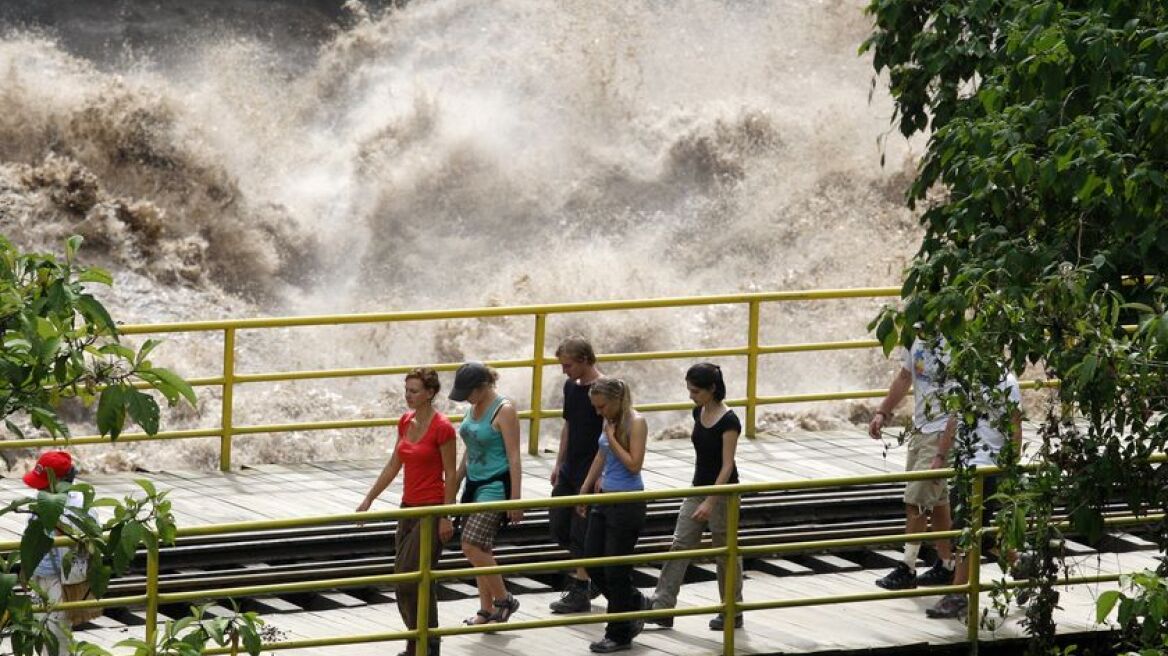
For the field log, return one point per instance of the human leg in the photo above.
(718, 536)
(687, 534)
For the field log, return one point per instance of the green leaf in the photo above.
(96, 314)
(172, 380)
(147, 346)
(111, 411)
(34, 545)
(71, 245)
(143, 410)
(96, 275)
(49, 506)
(1104, 604)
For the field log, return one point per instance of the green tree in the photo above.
(59, 342)
(1043, 194)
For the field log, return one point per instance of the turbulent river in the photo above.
(252, 158)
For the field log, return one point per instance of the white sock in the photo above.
(910, 554)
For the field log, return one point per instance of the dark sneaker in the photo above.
(593, 589)
(937, 575)
(607, 646)
(719, 623)
(951, 606)
(901, 578)
(639, 625)
(664, 622)
(573, 600)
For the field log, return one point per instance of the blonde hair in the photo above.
(617, 390)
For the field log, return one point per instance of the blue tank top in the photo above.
(486, 455)
(616, 477)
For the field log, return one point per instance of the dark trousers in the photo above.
(613, 530)
(568, 528)
(407, 542)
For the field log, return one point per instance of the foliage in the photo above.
(60, 342)
(1142, 616)
(1043, 195)
(137, 521)
(190, 635)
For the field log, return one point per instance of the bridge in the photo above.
(817, 518)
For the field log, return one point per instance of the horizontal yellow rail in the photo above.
(731, 551)
(229, 378)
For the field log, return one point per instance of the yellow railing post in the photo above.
(425, 545)
(730, 584)
(536, 384)
(973, 559)
(226, 420)
(151, 592)
(752, 368)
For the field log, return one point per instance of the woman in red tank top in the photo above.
(427, 451)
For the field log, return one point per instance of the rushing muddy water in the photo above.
(271, 158)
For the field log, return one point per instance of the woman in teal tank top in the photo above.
(491, 469)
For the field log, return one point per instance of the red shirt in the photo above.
(422, 461)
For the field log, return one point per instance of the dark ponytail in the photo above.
(707, 376)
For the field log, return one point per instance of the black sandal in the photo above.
(479, 618)
(504, 609)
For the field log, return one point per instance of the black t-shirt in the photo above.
(707, 444)
(584, 428)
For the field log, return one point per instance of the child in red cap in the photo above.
(53, 468)
(60, 463)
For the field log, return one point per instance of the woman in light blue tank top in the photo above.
(492, 471)
(613, 529)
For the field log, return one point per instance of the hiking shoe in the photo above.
(719, 623)
(900, 578)
(574, 599)
(950, 607)
(608, 646)
(937, 575)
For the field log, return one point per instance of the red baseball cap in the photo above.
(58, 461)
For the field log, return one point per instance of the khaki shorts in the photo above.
(922, 448)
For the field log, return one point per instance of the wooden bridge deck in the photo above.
(281, 491)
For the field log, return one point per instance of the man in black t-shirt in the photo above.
(578, 444)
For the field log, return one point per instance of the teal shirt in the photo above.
(486, 456)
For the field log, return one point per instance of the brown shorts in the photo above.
(480, 529)
(922, 448)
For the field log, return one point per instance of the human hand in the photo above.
(875, 426)
(362, 507)
(515, 516)
(445, 529)
(582, 510)
(703, 510)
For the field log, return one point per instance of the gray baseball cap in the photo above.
(469, 377)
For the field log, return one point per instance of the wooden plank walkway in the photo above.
(281, 491)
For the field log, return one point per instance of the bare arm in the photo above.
(945, 444)
(634, 457)
(729, 449)
(560, 453)
(507, 423)
(388, 473)
(591, 480)
(449, 452)
(899, 388)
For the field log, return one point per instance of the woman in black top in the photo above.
(715, 439)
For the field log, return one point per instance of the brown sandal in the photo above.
(504, 609)
(480, 617)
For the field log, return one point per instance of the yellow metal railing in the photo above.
(731, 551)
(229, 378)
